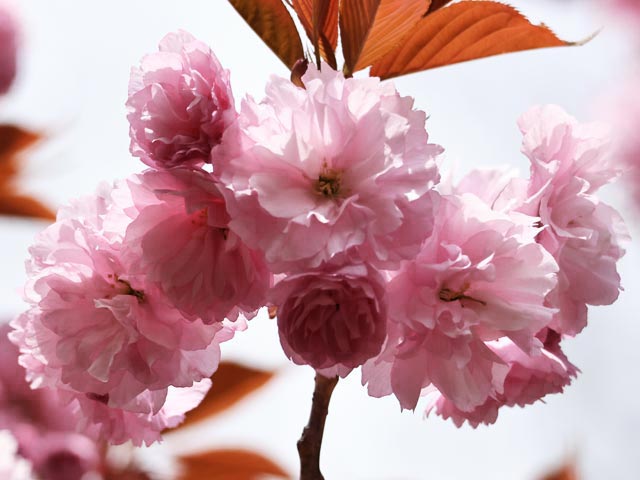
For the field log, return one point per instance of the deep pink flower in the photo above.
(59, 455)
(332, 319)
(569, 163)
(180, 240)
(42, 425)
(341, 166)
(94, 330)
(478, 278)
(8, 46)
(180, 103)
(20, 404)
(530, 378)
(629, 8)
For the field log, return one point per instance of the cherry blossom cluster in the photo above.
(476, 320)
(321, 201)
(133, 290)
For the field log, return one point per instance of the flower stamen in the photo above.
(139, 294)
(329, 182)
(448, 295)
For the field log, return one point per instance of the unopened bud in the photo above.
(298, 70)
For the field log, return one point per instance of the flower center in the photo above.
(98, 398)
(128, 289)
(448, 295)
(329, 182)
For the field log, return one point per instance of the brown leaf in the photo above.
(229, 465)
(464, 31)
(371, 28)
(270, 19)
(13, 140)
(566, 472)
(320, 20)
(23, 206)
(231, 383)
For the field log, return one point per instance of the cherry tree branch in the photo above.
(310, 442)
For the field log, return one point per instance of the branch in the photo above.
(310, 442)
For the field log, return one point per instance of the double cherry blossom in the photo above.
(323, 201)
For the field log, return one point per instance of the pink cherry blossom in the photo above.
(530, 378)
(480, 277)
(332, 319)
(180, 103)
(8, 45)
(97, 332)
(180, 240)
(343, 165)
(569, 163)
(141, 423)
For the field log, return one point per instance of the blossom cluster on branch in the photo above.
(322, 201)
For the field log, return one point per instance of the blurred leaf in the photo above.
(567, 472)
(229, 465)
(270, 19)
(231, 383)
(13, 141)
(23, 206)
(464, 31)
(320, 20)
(124, 474)
(371, 28)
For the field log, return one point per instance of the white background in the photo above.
(73, 85)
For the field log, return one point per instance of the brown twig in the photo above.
(310, 442)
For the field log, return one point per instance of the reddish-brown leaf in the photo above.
(270, 19)
(464, 31)
(320, 20)
(371, 28)
(231, 383)
(229, 465)
(23, 206)
(13, 140)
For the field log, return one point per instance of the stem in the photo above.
(310, 442)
